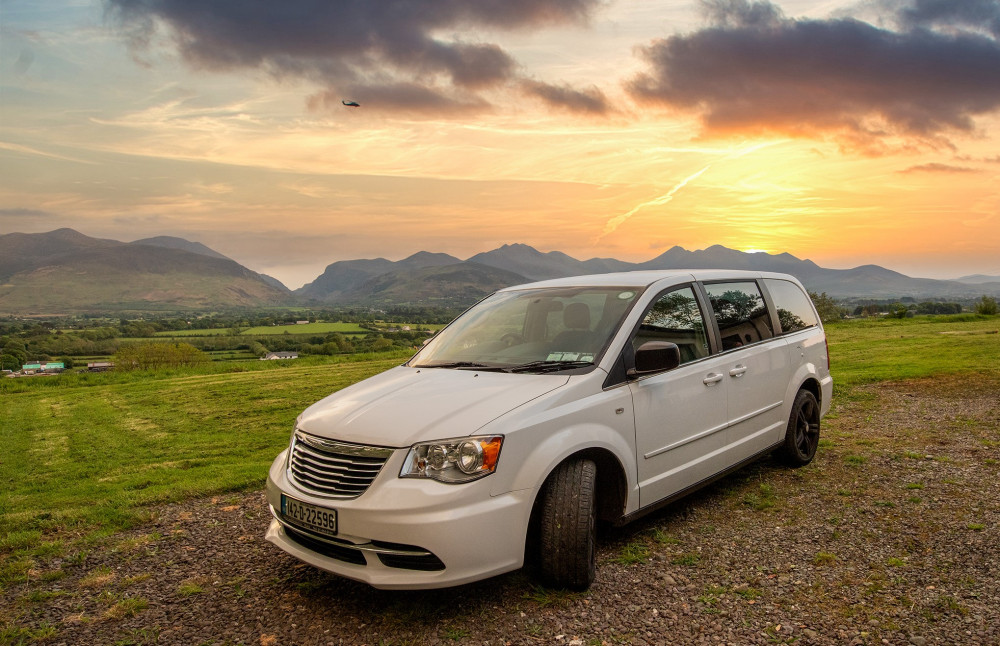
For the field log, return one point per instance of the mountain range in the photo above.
(361, 281)
(66, 271)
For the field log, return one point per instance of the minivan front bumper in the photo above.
(406, 533)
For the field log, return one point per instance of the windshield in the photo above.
(531, 330)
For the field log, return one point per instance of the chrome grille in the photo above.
(334, 469)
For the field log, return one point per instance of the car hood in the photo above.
(405, 405)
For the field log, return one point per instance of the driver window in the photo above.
(676, 317)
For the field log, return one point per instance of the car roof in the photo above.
(647, 278)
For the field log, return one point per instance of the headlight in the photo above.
(461, 459)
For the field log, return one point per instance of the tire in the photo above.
(802, 434)
(568, 526)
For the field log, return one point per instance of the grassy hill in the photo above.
(64, 271)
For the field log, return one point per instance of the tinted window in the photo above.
(740, 313)
(795, 312)
(676, 317)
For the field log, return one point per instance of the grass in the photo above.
(764, 498)
(748, 593)
(822, 558)
(634, 552)
(190, 588)
(305, 328)
(690, 559)
(454, 633)
(545, 597)
(126, 607)
(869, 350)
(89, 453)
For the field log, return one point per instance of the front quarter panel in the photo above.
(541, 436)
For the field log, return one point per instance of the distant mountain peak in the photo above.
(429, 259)
(173, 242)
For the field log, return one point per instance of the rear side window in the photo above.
(740, 313)
(795, 311)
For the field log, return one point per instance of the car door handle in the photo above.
(713, 378)
(738, 371)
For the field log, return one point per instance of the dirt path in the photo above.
(892, 536)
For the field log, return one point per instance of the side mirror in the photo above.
(655, 356)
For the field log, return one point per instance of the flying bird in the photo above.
(351, 104)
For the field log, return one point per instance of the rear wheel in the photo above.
(568, 526)
(802, 433)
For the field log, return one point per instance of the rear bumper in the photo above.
(408, 533)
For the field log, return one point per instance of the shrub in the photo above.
(987, 305)
(827, 307)
(151, 356)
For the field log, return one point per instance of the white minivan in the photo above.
(542, 410)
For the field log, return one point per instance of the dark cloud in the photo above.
(963, 14)
(741, 13)
(937, 168)
(390, 48)
(755, 70)
(588, 101)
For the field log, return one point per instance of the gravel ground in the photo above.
(891, 536)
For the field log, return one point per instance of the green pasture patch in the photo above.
(87, 454)
(268, 330)
(205, 332)
(869, 350)
(306, 328)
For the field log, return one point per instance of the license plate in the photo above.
(318, 519)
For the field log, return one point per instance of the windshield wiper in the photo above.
(548, 366)
(459, 365)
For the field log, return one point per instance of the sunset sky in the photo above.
(847, 133)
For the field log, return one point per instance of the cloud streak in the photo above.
(385, 55)
(587, 101)
(937, 168)
(755, 71)
(612, 225)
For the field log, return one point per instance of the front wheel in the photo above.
(568, 526)
(802, 433)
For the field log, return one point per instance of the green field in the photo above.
(195, 332)
(867, 350)
(87, 455)
(305, 328)
(265, 330)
